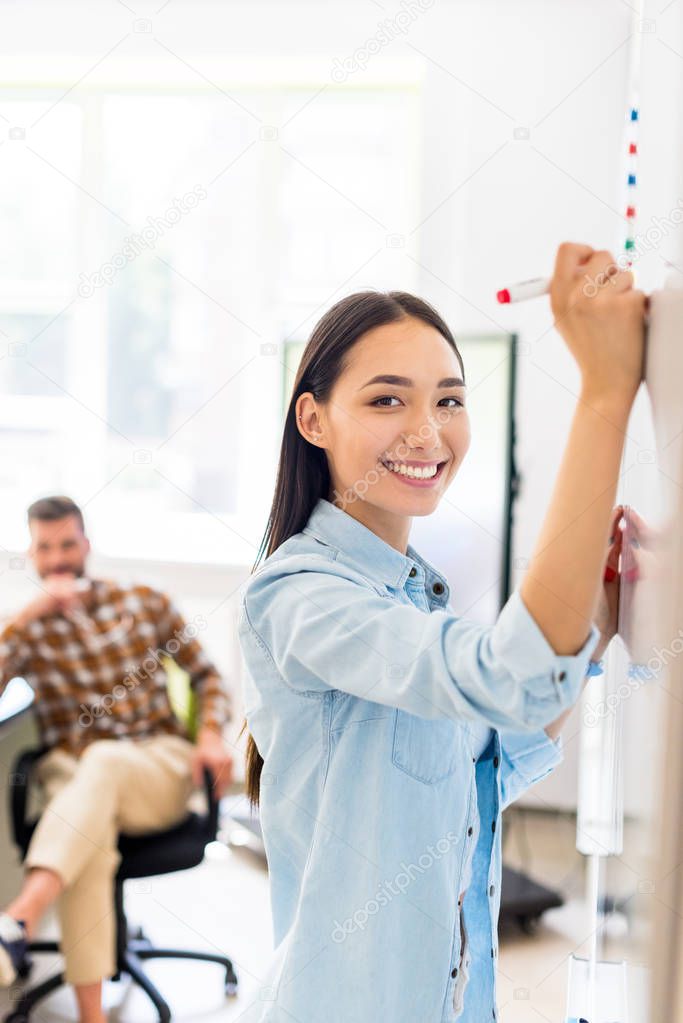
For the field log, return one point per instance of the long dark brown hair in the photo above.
(302, 472)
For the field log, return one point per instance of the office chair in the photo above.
(161, 852)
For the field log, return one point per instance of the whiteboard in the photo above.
(645, 878)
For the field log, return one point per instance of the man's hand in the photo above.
(210, 751)
(59, 592)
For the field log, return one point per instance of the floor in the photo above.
(223, 906)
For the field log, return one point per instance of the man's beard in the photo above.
(77, 572)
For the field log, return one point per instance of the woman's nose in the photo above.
(423, 437)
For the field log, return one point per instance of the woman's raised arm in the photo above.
(601, 317)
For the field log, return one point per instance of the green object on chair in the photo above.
(182, 696)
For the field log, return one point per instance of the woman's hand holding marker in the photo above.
(600, 315)
(598, 312)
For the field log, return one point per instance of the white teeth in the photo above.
(415, 472)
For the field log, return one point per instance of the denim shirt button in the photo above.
(492, 889)
(469, 831)
(437, 588)
(454, 971)
(413, 572)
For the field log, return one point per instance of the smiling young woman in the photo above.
(393, 441)
(387, 734)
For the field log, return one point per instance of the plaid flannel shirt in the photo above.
(98, 672)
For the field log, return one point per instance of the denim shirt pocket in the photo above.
(425, 748)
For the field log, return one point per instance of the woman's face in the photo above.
(377, 433)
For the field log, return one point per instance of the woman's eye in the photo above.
(386, 397)
(380, 402)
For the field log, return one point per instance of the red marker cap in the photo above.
(633, 148)
(503, 295)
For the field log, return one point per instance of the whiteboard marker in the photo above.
(524, 289)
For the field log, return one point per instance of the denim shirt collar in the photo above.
(372, 556)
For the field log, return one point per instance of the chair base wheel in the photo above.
(25, 968)
(230, 981)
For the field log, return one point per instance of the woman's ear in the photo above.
(308, 418)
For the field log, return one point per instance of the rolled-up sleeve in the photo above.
(526, 759)
(324, 630)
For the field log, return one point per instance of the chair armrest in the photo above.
(212, 806)
(19, 779)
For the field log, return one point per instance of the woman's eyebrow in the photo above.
(388, 378)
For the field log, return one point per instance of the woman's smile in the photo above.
(414, 473)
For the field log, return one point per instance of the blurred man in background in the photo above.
(118, 758)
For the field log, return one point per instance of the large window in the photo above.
(167, 242)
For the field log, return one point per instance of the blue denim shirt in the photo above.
(361, 687)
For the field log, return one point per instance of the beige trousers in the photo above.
(134, 786)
